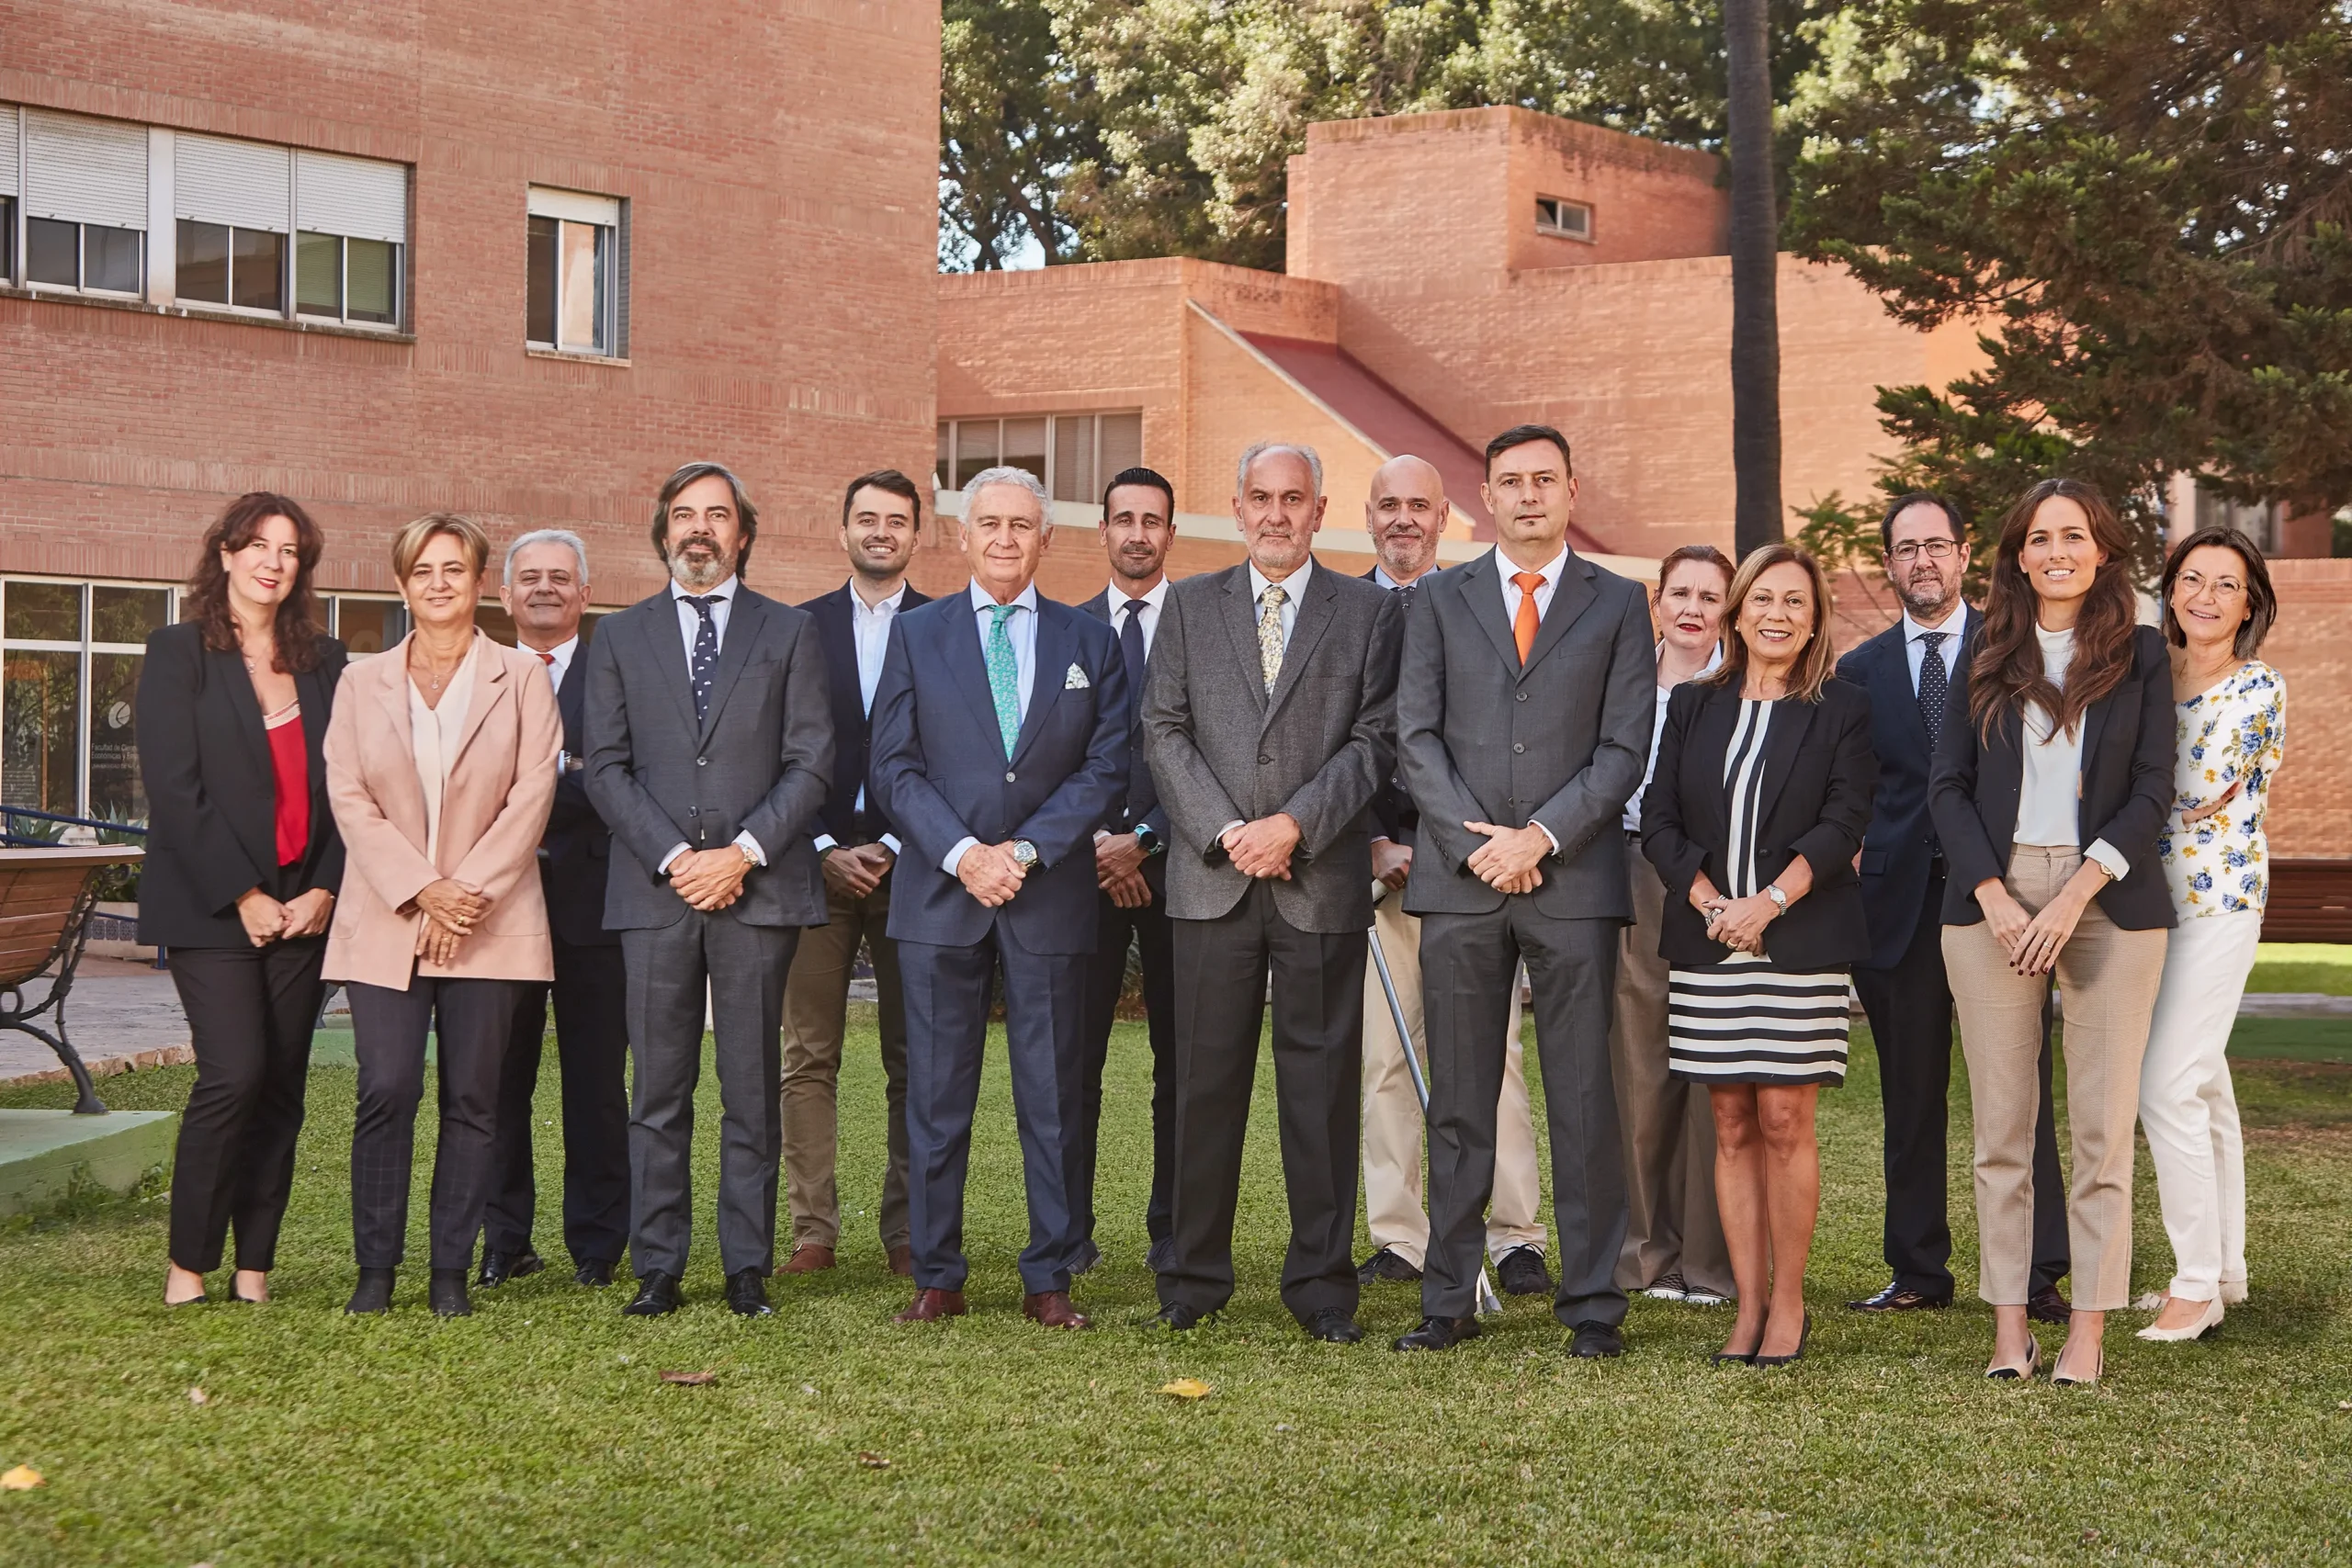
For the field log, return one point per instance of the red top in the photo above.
(289, 762)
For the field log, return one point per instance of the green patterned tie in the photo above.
(1004, 676)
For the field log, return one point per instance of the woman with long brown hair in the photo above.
(2048, 800)
(241, 869)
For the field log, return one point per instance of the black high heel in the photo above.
(1803, 1334)
(2024, 1374)
(1731, 1359)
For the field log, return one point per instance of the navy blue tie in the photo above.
(706, 660)
(1131, 645)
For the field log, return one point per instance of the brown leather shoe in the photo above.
(930, 1306)
(807, 1258)
(1051, 1309)
(902, 1262)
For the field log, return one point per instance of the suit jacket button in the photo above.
(693, 810)
(1009, 778)
(1265, 761)
(1519, 745)
(1519, 696)
(702, 762)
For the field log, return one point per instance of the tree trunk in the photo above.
(1755, 261)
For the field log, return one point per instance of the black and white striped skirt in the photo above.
(1748, 1020)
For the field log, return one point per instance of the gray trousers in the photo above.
(671, 968)
(1469, 964)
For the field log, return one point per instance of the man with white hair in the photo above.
(545, 590)
(999, 744)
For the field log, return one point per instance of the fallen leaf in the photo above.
(871, 1460)
(197, 1396)
(24, 1478)
(1186, 1388)
(690, 1380)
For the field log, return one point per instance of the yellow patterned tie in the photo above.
(1269, 633)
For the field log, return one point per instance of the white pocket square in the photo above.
(1076, 680)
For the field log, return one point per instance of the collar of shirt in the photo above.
(1953, 625)
(1550, 571)
(1293, 586)
(886, 605)
(1155, 600)
(1379, 575)
(724, 591)
(558, 657)
(982, 600)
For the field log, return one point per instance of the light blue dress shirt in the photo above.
(1021, 628)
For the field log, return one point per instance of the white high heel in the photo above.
(2207, 1321)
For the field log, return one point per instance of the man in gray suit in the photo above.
(1523, 709)
(710, 752)
(1268, 724)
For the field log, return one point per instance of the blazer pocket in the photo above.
(1874, 863)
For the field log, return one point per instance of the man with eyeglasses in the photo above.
(1916, 672)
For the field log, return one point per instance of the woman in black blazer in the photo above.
(242, 868)
(1754, 817)
(2048, 797)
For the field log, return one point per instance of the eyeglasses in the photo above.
(1934, 550)
(2189, 585)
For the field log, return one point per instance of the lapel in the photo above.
(1241, 625)
(1891, 682)
(836, 617)
(1791, 720)
(1099, 606)
(745, 621)
(1571, 598)
(1709, 739)
(1048, 668)
(492, 687)
(313, 689)
(1314, 613)
(571, 699)
(396, 788)
(229, 674)
(669, 654)
(2094, 725)
(1482, 592)
(960, 650)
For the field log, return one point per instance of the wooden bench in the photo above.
(46, 896)
(2311, 900)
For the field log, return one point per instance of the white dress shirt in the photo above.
(869, 629)
(689, 629)
(1658, 731)
(433, 735)
(1294, 588)
(1021, 628)
(1505, 570)
(1155, 599)
(2050, 795)
(557, 661)
(1916, 651)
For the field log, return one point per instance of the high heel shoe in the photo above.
(2019, 1374)
(2207, 1321)
(2060, 1380)
(1804, 1334)
(1731, 1359)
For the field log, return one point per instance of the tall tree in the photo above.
(1013, 120)
(1755, 273)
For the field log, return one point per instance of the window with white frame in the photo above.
(577, 260)
(1074, 454)
(70, 656)
(1563, 218)
(80, 186)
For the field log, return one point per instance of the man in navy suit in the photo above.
(546, 592)
(1131, 863)
(1915, 673)
(1000, 743)
(881, 522)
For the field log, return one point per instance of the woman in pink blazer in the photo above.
(441, 766)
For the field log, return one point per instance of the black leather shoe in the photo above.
(1334, 1327)
(657, 1296)
(1438, 1333)
(595, 1274)
(447, 1293)
(1521, 1273)
(747, 1295)
(2046, 1306)
(373, 1295)
(1595, 1342)
(1899, 1297)
(497, 1268)
(1180, 1317)
(1386, 1265)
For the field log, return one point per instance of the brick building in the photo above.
(514, 262)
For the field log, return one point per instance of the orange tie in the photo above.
(1522, 627)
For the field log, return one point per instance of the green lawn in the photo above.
(538, 1430)
(2302, 967)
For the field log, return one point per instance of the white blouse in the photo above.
(2050, 794)
(434, 734)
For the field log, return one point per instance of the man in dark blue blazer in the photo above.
(1000, 743)
(1131, 864)
(1916, 672)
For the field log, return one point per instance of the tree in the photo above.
(2145, 202)
(1755, 276)
(1012, 118)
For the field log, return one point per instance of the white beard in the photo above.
(700, 576)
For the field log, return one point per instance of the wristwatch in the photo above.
(1024, 854)
(1148, 840)
(1780, 899)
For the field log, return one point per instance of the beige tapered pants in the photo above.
(1393, 1125)
(2107, 990)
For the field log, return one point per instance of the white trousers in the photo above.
(1392, 1125)
(2187, 1108)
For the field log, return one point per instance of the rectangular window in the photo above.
(1075, 454)
(52, 253)
(347, 280)
(1562, 218)
(202, 270)
(69, 680)
(573, 267)
(84, 186)
(318, 275)
(258, 270)
(368, 626)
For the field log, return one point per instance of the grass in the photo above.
(538, 1430)
(2321, 966)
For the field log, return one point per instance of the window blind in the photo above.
(576, 206)
(216, 180)
(361, 198)
(85, 171)
(7, 149)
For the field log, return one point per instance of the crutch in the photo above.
(1489, 1304)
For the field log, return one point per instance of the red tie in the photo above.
(547, 659)
(1523, 624)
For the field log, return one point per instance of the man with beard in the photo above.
(1406, 514)
(1914, 672)
(881, 523)
(710, 752)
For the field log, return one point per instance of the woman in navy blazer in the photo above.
(2051, 783)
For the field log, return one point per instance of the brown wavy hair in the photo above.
(302, 621)
(1816, 661)
(2007, 675)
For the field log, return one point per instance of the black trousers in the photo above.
(590, 997)
(472, 1021)
(1149, 929)
(1469, 964)
(1221, 971)
(250, 1011)
(1909, 1008)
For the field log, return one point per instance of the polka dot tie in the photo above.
(1269, 633)
(705, 663)
(1935, 685)
(1004, 676)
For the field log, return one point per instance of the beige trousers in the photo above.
(816, 1006)
(2107, 990)
(1393, 1125)
(1667, 1125)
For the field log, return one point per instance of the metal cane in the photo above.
(1489, 1304)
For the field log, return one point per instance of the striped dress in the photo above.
(1747, 1020)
